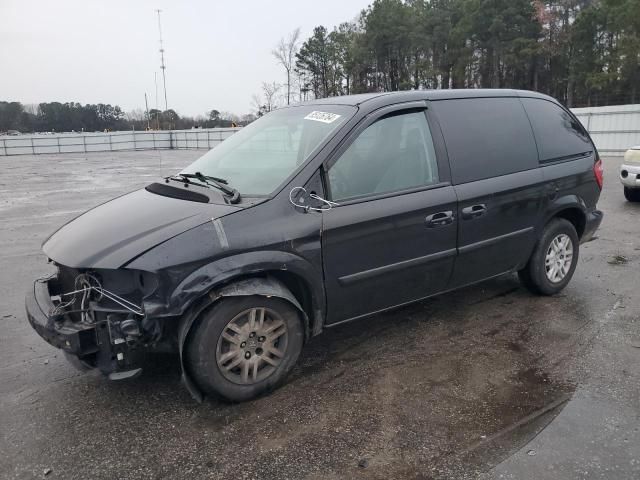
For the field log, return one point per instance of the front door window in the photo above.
(393, 154)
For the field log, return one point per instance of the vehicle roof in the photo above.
(412, 95)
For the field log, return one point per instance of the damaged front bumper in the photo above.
(100, 344)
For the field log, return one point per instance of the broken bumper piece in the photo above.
(88, 345)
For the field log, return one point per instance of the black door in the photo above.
(392, 238)
(498, 182)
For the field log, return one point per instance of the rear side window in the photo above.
(558, 134)
(486, 137)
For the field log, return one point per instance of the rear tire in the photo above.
(632, 194)
(243, 347)
(553, 260)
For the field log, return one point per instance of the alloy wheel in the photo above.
(252, 346)
(559, 257)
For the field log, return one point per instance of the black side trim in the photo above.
(356, 277)
(378, 196)
(491, 241)
(393, 307)
(174, 192)
(567, 158)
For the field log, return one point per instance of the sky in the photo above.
(217, 53)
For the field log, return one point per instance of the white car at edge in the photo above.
(630, 174)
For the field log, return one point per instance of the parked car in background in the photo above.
(315, 215)
(630, 174)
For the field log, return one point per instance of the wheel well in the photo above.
(300, 290)
(296, 285)
(576, 217)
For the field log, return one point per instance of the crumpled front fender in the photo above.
(245, 264)
(264, 286)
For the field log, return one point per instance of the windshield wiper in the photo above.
(185, 180)
(208, 177)
(217, 182)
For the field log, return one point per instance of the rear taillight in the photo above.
(598, 172)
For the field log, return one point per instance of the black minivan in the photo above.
(315, 215)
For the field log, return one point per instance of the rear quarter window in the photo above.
(558, 134)
(486, 137)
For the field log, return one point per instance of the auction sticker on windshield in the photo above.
(324, 117)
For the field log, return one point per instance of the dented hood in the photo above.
(112, 234)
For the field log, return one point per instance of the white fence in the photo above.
(112, 141)
(613, 129)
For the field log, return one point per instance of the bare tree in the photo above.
(31, 108)
(247, 118)
(257, 104)
(270, 92)
(229, 116)
(302, 85)
(285, 54)
(136, 115)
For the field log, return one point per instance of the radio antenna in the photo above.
(162, 65)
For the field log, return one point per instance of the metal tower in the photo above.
(162, 65)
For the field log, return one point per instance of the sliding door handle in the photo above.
(440, 219)
(474, 211)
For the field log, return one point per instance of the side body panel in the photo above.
(570, 184)
(381, 253)
(500, 188)
(567, 157)
(502, 238)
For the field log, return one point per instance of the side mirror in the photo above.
(299, 197)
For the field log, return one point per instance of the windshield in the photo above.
(257, 159)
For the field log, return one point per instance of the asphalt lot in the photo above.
(489, 382)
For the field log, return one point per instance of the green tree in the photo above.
(11, 116)
(214, 119)
(579, 51)
(313, 61)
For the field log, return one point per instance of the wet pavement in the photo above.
(489, 382)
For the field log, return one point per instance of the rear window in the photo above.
(558, 134)
(486, 137)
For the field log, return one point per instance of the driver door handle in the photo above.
(474, 211)
(440, 219)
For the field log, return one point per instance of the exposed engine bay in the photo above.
(104, 310)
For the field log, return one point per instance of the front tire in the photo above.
(632, 194)
(243, 347)
(553, 260)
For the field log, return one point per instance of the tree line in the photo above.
(582, 52)
(72, 116)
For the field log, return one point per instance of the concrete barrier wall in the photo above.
(613, 129)
(112, 141)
